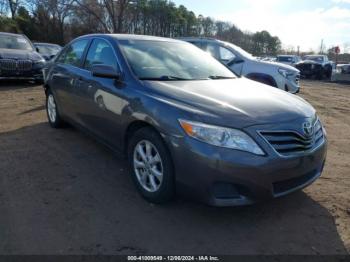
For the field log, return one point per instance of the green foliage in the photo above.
(8, 25)
(58, 21)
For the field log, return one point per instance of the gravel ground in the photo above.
(63, 193)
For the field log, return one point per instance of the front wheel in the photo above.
(151, 164)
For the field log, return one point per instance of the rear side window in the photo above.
(73, 53)
(100, 53)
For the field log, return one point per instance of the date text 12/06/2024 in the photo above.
(173, 258)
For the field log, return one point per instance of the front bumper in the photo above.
(33, 74)
(225, 177)
(290, 84)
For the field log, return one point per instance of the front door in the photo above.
(101, 100)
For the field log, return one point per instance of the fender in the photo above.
(262, 78)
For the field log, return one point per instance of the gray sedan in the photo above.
(186, 123)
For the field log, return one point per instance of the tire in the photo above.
(39, 81)
(53, 116)
(154, 188)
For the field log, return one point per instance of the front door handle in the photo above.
(77, 81)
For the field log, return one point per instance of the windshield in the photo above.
(285, 59)
(48, 49)
(314, 58)
(14, 42)
(166, 61)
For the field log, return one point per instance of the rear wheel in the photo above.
(53, 116)
(151, 165)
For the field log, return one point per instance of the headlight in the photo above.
(285, 72)
(40, 62)
(221, 136)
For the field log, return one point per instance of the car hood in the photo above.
(19, 54)
(235, 103)
(279, 65)
(312, 62)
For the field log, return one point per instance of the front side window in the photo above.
(100, 53)
(162, 60)
(74, 53)
(226, 55)
(239, 51)
(15, 42)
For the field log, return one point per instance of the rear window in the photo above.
(15, 42)
(285, 59)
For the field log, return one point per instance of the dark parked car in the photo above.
(186, 123)
(315, 66)
(48, 51)
(19, 59)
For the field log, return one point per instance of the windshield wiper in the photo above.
(165, 78)
(220, 77)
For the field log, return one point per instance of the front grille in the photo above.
(15, 65)
(297, 79)
(290, 143)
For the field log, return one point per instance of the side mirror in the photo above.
(105, 71)
(235, 60)
(37, 49)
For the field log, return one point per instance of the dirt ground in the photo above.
(63, 193)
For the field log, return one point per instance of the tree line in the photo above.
(59, 21)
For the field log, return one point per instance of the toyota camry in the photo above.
(186, 123)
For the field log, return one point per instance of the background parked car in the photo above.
(268, 59)
(48, 51)
(244, 64)
(19, 59)
(341, 73)
(291, 60)
(315, 66)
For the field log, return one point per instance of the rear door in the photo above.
(64, 75)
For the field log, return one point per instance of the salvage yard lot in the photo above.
(63, 193)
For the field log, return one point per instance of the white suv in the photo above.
(279, 75)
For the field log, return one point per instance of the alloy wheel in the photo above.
(51, 108)
(148, 166)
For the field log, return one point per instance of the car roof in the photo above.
(286, 55)
(315, 55)
(131, 37)
(5, 33)
(209, 39)
(38, 43)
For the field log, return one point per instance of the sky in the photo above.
(301, 23)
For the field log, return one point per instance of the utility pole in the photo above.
(298, 50)
(321, 49)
